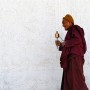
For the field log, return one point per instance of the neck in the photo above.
(70, 27)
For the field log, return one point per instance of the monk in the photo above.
(72, 57)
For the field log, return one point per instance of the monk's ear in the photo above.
(70, 24)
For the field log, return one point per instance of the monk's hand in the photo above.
(57, 42)
(63, 43)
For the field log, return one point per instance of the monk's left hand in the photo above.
(63, 43)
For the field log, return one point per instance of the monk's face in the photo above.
(66, 24)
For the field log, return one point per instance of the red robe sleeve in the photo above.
(60, 48)
(74, 40)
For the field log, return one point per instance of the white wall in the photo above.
(29, 59)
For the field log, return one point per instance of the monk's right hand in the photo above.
(57, 42)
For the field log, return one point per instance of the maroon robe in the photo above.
(72, 59)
